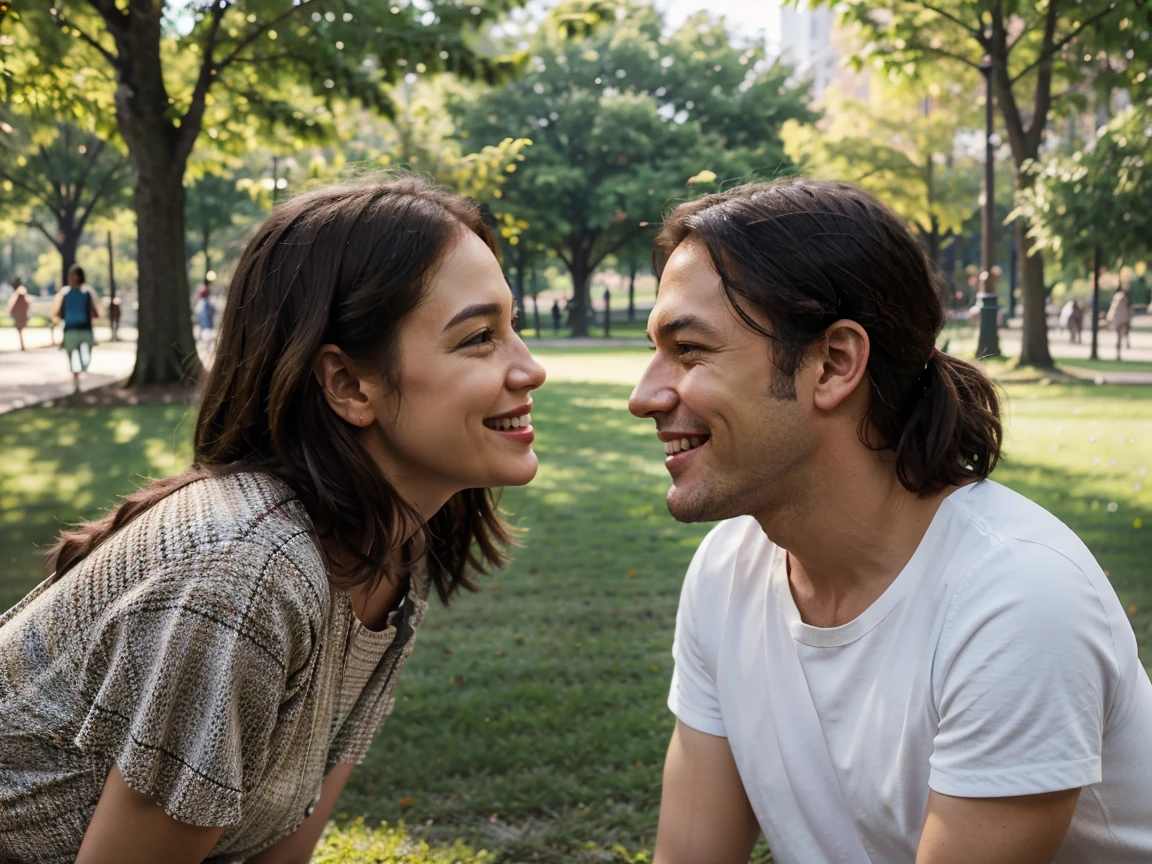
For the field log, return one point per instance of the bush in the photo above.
(356, 843)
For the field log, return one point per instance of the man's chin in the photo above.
(684, 506)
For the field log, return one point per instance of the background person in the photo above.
(75, 305)
(209, 661)
(18, 308)
(881, 655)
(1120, 318)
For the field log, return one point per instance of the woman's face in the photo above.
(459, 418)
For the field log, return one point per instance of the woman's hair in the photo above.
(77, 271)
(342, 265)
(809, 253)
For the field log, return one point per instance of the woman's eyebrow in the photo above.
(477, 310)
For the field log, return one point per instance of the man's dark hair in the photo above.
(78, 271)
(809, 253)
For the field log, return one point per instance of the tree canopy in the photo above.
(239, 71)
(622, 120)
(1038, 54)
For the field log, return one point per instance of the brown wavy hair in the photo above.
(342, 265)
(808, 253)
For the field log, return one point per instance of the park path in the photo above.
(41, 373)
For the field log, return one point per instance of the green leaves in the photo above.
(1097, 197)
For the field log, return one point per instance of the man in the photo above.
(881, 655)
(75, 305)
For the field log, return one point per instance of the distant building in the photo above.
(806, 38)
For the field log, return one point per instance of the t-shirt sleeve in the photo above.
(1025, 669)
(186, 678)
(693, 696)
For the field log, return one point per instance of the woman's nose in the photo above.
(526, 372)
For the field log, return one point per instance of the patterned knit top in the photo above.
(202, 651)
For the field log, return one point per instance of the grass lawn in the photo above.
(531, 719)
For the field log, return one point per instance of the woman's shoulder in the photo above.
(237, 542)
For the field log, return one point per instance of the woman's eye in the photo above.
(479, 339)
(683, 348)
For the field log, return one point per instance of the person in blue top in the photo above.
(75, 305)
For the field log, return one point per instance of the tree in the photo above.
(621, 120)
(903, 146)
(241, 69)
(58, 178)
(214, 202)
(1093, 205)
(1037, 51)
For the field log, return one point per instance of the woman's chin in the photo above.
(519, 474)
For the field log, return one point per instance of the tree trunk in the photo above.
(158, 149)
(535, 303)
(165, 350)
(207, 253)
(581, 281)
(632, 267)
(518, 286)
(69, 242)
(1025, 143)
(1095, 302)
(1034, 325)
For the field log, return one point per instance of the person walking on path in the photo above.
(75, 305)
(205, 317)
(881, 655)
(1072, 319)
(556, 316)
(18, 305)
(1120, 318)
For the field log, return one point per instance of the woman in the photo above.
(75, 305)
(18, 306)
(225, 644)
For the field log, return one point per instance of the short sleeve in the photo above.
(185, 680)
(693, 696)
(1025, 670)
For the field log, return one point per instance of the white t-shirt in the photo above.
(999, 662)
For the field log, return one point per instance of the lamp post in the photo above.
(988, 342)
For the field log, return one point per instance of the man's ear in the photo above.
(341, 383)
(842, 363)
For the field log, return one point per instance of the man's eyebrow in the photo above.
(669, 329)
(476, 310)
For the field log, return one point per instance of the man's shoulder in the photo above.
(1012, 523)
(733, 553)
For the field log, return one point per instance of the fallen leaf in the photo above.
(655, 667)
(1132, 609)
(405, 802)
(632, 574)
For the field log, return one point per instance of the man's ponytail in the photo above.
(952, 433)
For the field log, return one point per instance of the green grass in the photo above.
(531, 720)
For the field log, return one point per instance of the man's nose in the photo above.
(655, 393)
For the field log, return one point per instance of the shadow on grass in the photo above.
(62, 465)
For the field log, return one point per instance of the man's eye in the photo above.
(479, 339)
(683, 348)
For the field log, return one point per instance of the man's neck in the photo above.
(850, 541)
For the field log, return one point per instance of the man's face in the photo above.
(735, 436)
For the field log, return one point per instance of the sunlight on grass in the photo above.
(531, 719)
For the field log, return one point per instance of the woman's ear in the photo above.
(843, 359)
(341, 383)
